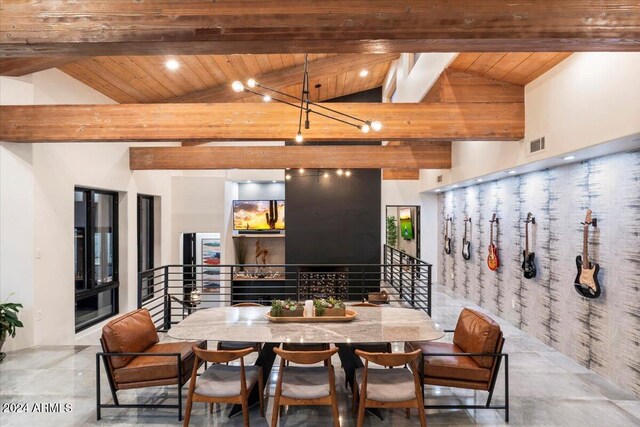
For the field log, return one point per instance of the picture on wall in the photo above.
(406, 224)
(210, 259)
(403, 228)
(258, 215)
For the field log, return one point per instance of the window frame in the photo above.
(91, 288)
(150, 239)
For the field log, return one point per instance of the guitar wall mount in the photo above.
(593, 223)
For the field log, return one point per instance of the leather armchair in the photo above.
(471, 361)
(133, 358)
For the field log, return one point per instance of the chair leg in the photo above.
(408, 412)
(361, 409)
(211, 408)
(276, 410)
(421, 414)
(354, 400)
(336, 410)
(245, 411)
(187, 411)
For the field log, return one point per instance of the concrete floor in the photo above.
(546, 389)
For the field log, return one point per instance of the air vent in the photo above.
(439, 178)
(536, 145)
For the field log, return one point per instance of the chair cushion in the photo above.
(477, 333)
(224, 380)
(451, 367)
(153, 367)
(388, 385)
(305, 382)
(133, 332)
(237, 345)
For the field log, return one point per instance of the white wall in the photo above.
(587, 99)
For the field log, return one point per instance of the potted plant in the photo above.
(329, 307)
(240, 244)
(8, 321)
(287, 308)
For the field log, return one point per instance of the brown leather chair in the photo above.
(134, 358)
(471, 361)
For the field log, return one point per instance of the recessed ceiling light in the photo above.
(364, 73)
(274, 181)
(511, 172)
(172, 64)
(479, 180)
(437, 190)
(454, 186)
(249, 182)
(569, 158)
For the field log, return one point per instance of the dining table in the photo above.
(370, 325)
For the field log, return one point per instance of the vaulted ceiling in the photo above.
(207, 78)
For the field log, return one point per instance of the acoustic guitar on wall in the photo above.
(492, 260)
(447, 239)
(586, 282)
(529, 258)
(466, 243)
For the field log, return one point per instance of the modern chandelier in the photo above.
(305, 105)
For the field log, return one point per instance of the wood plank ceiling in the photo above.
(518, 68)
(146, 79)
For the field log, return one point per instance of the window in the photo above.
(145, 238)
(95, 256)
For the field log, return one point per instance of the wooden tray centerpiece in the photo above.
(324, 310)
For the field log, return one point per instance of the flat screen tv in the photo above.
(258, 215)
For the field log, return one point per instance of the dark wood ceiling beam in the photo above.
(433, 155)
(117, 27)
(257, 122)
(289, 76)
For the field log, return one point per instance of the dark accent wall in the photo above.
(333, 220)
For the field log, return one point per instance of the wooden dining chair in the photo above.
(388, 388)
(233, 345)
(222, 383)
(303, 385)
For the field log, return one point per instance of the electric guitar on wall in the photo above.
(529, 258)
(492, 260)
(586, 282)
(447, 239)
(466, 243)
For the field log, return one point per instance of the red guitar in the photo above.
(492, 260)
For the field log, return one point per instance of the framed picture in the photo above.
(210, 261)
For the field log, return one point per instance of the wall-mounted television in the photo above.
(258, 215)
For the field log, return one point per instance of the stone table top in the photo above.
(372, 324)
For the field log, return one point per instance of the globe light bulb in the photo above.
(347, 173)
(326, 175)
(340, 172)
(299, 137)
(287, 177)
(251, 83)
(237, 86)
(365, 128)
(301, 170)
(266, 98)
(376, 125)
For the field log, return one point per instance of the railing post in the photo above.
(384, 262)
(400, 274)
(413, 282)
(429, 289)
(139, 290)
(297, 283)
(167, 299)
(363, 285)
(230, 285)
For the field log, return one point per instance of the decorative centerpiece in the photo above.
(329, 307)
(286, 308)
(318, 310)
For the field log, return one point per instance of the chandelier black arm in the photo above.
(311, 103)
(301, 109)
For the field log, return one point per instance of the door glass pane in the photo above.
(90, 309)
(103, 238)
(79, 249)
